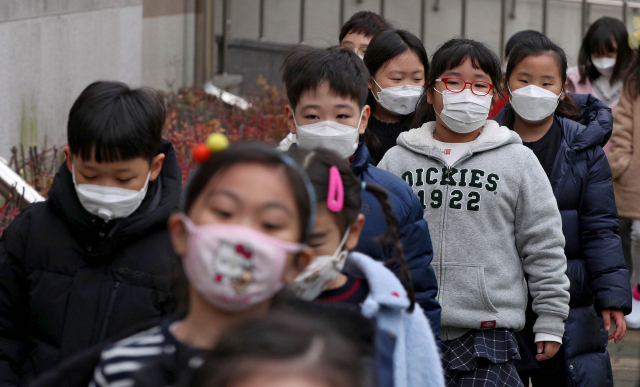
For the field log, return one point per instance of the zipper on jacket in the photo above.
(107, 316)
(445, 194)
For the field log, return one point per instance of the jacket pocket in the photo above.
(464, 298)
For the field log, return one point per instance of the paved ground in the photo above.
(625, 359)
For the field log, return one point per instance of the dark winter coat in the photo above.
(413, 229)
(581, 182)
(68, 280)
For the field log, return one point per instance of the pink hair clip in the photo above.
(335, 197)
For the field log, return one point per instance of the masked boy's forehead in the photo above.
(324, 95)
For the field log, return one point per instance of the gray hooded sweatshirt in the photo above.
(492, 218)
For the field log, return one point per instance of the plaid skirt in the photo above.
(481, 358)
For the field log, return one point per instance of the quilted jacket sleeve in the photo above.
(601, 244)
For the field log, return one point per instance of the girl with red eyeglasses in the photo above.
(493, 219)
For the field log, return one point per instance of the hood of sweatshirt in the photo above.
(384, 287)
(492, 136)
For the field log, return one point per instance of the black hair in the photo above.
(535, 47)
(451, 55)
(288, 343)
(317, 164)
(598, 40)
(383, 48)
(364, 22)
(632, 84)
(254, 152)
(518, 37)
(305, 68)
(112, 122)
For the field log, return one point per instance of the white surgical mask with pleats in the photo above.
(339, 138)
(401, 100)
(533, 103)
(604, 65)
(464, 112)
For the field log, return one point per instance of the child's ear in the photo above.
(179, 234)
(564, 90)
(291, 124)
(300, 261)
(156, 166)
(430, 96)
(67, 154)
(370, 83)
(366, 112)
(354, 233)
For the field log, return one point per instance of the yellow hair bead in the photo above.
(217, 142)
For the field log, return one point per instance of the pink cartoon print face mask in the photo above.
(235, 267)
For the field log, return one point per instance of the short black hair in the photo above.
(518, 37)
(305, 68)
(599, 39)
(449, 56)
(364, 22)
(113, 122)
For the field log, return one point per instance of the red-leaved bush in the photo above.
(192, 116)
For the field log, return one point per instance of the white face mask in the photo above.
(320, 273)
(336, 137)
(533, 103)
(401, 100)
(361, 56)
(464, 112)
(109, 202)
(604, 65)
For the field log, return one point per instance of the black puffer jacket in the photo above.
(69, 280)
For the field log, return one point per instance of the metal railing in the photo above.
(625, 7)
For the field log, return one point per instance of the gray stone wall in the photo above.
(50, 50)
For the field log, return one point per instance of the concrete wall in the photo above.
(51, 50)
(168, 43)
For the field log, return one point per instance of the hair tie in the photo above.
(364, 186)
(335, 196)
(216, 142)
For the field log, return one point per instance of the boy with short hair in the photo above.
(95, 258)
(358, 31)
(355, 34)
(327, 91)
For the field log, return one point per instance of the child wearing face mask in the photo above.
(570, 152)
(338, 275)
(327, 90)
(358, 31)
(93, 259)
(246, 216)
(397, 63)
(493, 218)
(603, 61)
(356, 34)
